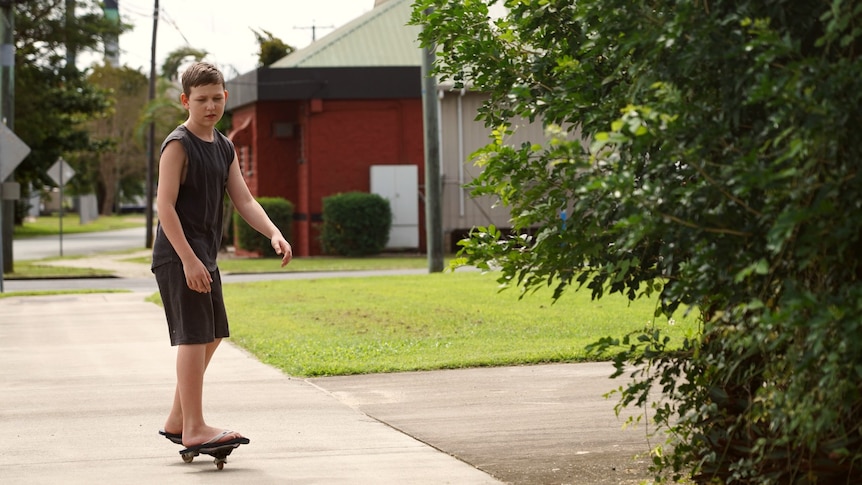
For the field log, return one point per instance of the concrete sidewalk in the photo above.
(87, 379)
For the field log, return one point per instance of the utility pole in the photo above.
(7, 116)
(151, 137)
(71, 48)
(112, 43)
(433, 180)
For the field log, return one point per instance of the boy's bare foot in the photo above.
(208, 435)
(173, 428)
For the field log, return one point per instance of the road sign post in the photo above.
(61, 173)
(12, 152)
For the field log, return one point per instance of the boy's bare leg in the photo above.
(174, 423)
(192, 361)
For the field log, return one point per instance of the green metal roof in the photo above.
(379, 37)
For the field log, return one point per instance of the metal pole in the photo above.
(71, 48)
(152, 133)
(2, 270)
(433, 210)
(62, 183)
(7, 116)
(112, 43)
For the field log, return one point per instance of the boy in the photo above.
(198, 164)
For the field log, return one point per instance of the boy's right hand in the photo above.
(197, 277)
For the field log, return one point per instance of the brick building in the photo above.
(345, 114)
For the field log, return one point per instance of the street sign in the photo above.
(61, 172)
(13, 151)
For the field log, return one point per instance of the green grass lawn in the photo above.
(313, 263)
(34, 270)
(343, 326)
(443, 320)
(50, 225)
(322, 263)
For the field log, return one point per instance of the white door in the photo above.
(399, 184)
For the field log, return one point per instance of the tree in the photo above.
(54, 101)
(705, 153)
(271, 48)
(121, 168)
(175, 60)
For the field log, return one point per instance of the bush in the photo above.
(248, 239)
(355, 224)
(722, 175)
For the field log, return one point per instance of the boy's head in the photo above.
(201, 74)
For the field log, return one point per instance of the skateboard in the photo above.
(218, 452)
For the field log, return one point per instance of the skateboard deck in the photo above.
(172, 437)
(219, 451)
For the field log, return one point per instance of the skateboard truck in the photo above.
(218, 452)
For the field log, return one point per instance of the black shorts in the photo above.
(193, 318)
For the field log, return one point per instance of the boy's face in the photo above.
(205, 104)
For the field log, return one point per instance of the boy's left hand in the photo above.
(283, 249)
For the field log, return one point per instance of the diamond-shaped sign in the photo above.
(13, 151)
(61, 172)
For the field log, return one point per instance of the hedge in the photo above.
(355, 224)
(248, 239)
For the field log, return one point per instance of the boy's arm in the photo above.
(171, 165)
(253, 213)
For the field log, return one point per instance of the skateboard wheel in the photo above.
(188, 457)
(219, 464)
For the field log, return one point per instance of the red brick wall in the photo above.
(346, 137)
(333, 146)
(277, 155)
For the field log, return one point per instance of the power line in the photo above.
(149, 13)
(165, 16)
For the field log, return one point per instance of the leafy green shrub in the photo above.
(355, 224)
(723, 174)
(247, 238)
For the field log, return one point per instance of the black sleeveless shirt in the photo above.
(200, 200)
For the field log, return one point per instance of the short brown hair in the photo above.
(201, 74)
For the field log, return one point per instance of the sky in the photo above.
(223, 28)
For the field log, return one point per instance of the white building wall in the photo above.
(462, 135)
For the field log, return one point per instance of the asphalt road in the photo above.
(78, 244)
